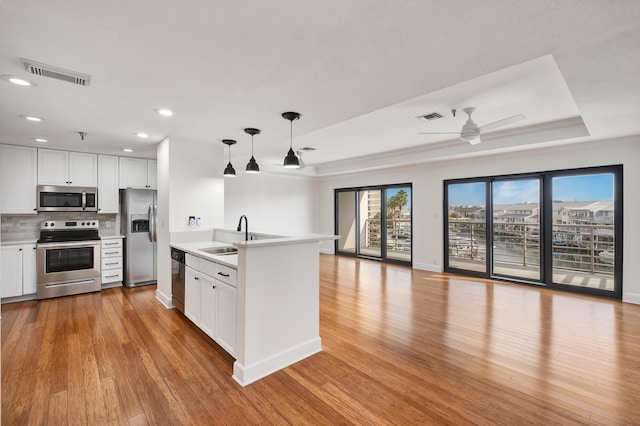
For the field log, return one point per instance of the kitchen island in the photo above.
(277, 308)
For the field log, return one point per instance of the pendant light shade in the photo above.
(252, 165)
(229, 171)
(291, 161)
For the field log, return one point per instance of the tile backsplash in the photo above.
(30, 224)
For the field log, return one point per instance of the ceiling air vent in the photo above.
(50, 71)
(429, 117)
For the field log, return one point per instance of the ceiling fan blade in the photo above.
(439, 133)
(500, 123)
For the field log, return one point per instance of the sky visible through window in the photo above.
(597, 187)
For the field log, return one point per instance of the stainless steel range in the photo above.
(68, 258)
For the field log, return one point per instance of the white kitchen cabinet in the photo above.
(18, 270)
(18, 179)
(192, 295)
(226, 316)
(138, 173)
(108, 189)
(29, 271)
(200, 301)
(111, 259)
(67, 168)
(210, 303)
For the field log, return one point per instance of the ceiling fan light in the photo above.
(291, 161)
(252, 166)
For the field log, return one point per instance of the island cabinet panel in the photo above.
(211, 303)
(226, 323)
(192, 295)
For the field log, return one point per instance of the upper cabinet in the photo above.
(108, 194)
(67, 168)
(138, 173)
(18, 179)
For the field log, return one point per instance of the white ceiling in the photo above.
(359, 72)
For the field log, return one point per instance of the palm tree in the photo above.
(394, 210)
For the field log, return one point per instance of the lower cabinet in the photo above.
(211, 305)
(18, 270)
(111, 261)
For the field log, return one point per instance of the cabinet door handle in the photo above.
(213, 287)
(224, 275)
(111, 244)
(110, 252)
(19, 249)
(112, 263)
(196, 278)
(110, 276)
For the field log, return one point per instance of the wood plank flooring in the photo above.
(400, 346)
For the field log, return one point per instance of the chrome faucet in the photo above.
(246, 227)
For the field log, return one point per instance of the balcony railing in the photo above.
(398, 234)
(584, 248)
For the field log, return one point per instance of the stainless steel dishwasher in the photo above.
(177, 278)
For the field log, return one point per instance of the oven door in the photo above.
(60, 263)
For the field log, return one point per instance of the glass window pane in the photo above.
(467, 226)
(398, 205)
(583, 231)
(347, 228)
(516, 228)
(370, 205)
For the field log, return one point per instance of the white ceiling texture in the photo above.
(358, 71)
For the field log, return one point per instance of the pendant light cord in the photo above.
(291, 135)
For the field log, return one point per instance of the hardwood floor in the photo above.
(400, 346)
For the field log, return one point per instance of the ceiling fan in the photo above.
(471, 131)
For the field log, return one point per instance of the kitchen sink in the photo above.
(220, 251)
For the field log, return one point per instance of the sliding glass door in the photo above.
(466, 242)
(584, 231)
(562, 229)
(516, 228)
(374, 222)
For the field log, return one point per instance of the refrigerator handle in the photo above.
(151, 224)
(155, 223)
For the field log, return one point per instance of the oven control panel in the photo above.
(70, 224)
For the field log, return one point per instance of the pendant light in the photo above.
(291, 161)
(229, 171)
(252, 166)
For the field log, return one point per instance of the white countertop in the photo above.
(195, 248)
(19, 238)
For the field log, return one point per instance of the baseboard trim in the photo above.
(245, 375)
(631, 298)
(326, 251)
(427, 267)
(164, 299)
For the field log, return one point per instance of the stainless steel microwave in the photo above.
(53, 198)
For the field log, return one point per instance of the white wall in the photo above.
(196, 184)
(272, 203)
(428, 180)
(190, 183)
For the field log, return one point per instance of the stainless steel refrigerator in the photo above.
(138, 225)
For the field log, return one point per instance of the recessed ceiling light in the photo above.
(31, 118)
(16, 80)
(41, 140)
(127, 149)
(142, 135)
(164, 112)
